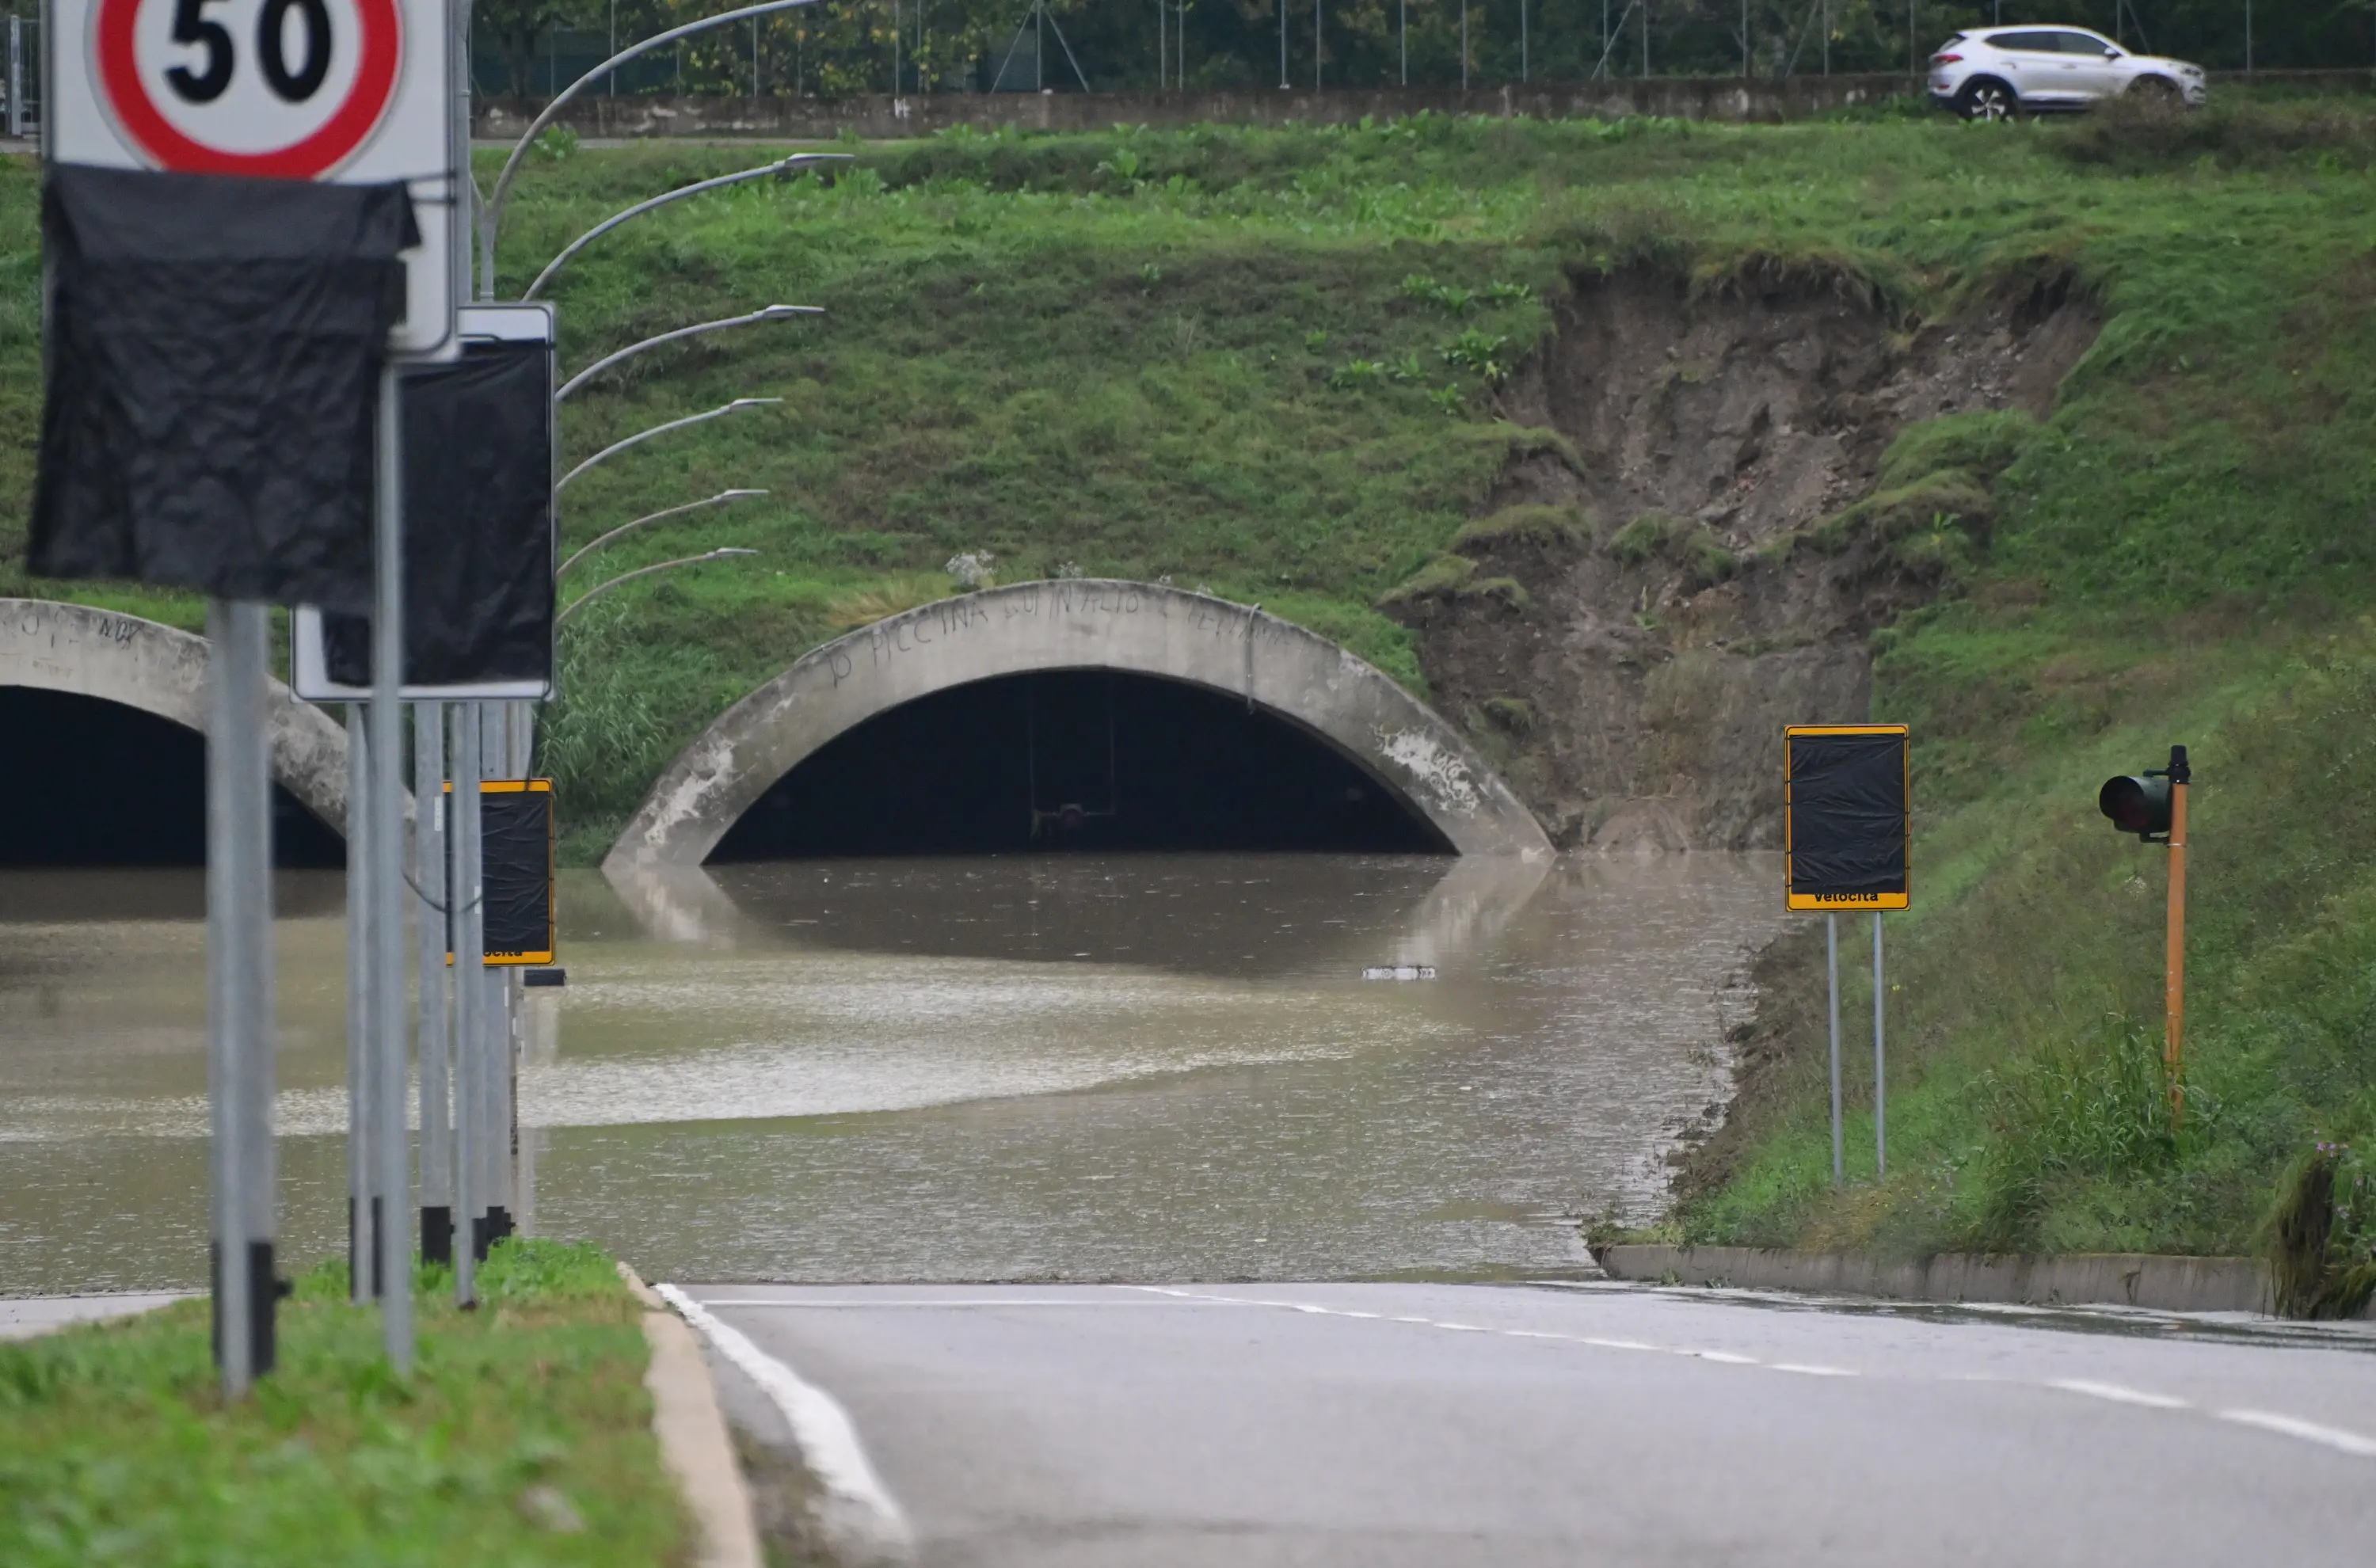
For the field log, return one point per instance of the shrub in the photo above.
(1440, 578)
(1981, 445)
(1544, 526)
(2070, 1110)
(1642, 539)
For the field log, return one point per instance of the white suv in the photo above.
(1992, 73)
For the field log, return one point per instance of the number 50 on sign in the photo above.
(356, 91)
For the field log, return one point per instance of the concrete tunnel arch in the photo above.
(1029, 628)
(46, 645)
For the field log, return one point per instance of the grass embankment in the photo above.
(1264, 361)
(523, 1435)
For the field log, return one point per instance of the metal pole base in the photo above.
(263, 1293)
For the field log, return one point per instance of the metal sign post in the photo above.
(2174, 957)
(467, 888)
(494, 741)
(429, 915)
(1832, 974)
(391, 1156)
(1847, 831)
(1880, 1068)
(362, 1246)
(353, 92)
(239, 992)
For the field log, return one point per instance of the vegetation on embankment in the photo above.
(1268, 363)
(523, 1435)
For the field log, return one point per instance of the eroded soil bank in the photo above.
(1741, 506)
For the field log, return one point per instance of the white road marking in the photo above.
(2117, 1393)
(2337, 1438)
(929, 1305)
(859, 1513)
(2344, 1442)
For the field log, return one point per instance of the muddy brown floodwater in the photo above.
(1134, 1067)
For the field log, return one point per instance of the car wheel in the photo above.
(2153, 90)
(1986, 99)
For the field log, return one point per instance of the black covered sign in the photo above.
(478, 525)
(1845, 816)
(214, 347)
(515, 826)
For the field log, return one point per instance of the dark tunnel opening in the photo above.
(1075, 759)
(91, 783)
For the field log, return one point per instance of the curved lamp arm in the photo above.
(616, 447)
(491, 212)
(720, 499)
(781, 166)
(766, 313)
(579, 603)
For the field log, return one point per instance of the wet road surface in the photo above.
(1382, 1425)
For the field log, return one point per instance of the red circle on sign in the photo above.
(349, 125)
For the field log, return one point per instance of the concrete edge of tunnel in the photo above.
(695, 1446)
(2150, 1281)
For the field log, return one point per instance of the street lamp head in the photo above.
(739, 494)
(785, 313)
(720, 555)
(753, 402)
(792, 164)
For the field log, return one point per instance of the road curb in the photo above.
(694, 1442)
(2152, 1280)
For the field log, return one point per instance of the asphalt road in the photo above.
(1377, 1426)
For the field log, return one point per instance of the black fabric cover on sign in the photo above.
(1847, 813)
(478, 525)
(518, 851)
(213, 364)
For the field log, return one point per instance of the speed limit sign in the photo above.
(356, 91)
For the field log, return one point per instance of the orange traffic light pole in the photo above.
(2174, 969)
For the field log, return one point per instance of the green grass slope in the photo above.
(1265, 363)
(523, 1435)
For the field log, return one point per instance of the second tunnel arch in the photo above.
(1138, 628)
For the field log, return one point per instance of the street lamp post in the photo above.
(579, 603)
(638, 439)
(766, 313)
(722, 498)
(781, 167)
(491, 212)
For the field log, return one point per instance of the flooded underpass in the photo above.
(999, 1067)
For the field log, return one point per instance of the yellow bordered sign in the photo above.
(515, 842)
(1846, 826)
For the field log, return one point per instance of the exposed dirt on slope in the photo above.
(1630, 632)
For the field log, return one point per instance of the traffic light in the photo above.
(2153, 806)
(2141, 804)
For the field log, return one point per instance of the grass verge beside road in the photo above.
(523, 1435)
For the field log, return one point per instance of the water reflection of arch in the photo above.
(1449, 910)
(1136, 628)
(74, 648)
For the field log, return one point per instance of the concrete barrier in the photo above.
(2129, 1280)
(157, 669)
(1139, 628)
